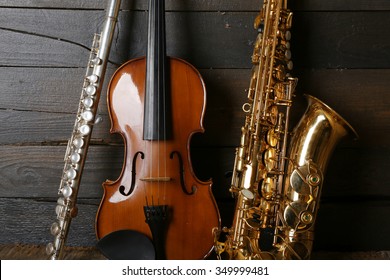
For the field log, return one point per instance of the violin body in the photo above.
(157, 174)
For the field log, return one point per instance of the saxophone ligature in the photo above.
(277, 178)
(76, 151)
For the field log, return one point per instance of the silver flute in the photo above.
(77, 148)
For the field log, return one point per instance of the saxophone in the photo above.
(77, 148)
(277, 178)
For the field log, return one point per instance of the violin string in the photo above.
(158, 146)
(158, 113)
(166, 76)
(147, 155)
(165, 92)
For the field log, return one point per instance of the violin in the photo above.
(157, 204)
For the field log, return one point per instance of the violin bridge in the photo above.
(156, 179)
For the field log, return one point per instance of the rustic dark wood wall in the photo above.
(341, 51)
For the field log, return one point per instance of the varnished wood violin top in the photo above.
(157, 192)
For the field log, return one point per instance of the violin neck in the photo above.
(156, 113)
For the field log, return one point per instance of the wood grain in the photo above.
(36, 108)
(205, 5)
(327, 40)
(38, 175)
(361, 219)
(341, 55)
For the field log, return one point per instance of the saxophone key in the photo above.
(268, 188)
(272, 138)
(270, 159)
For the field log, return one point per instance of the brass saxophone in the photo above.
(77, 148)
(277, 179)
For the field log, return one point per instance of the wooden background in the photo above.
(341, 52)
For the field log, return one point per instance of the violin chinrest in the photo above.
(126, 245)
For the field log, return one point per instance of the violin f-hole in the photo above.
(181, 171)
(133, 175)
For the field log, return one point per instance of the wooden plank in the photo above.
(38, 252)
(29, 50)
(37, 127)
(42, 23)
(353, 226)
(207, 40)
(50, 90)
(352, 174)
(35, 171)
(340, 52)
(341, 40)
(365, 255)
(339, 227)
(357, 95)
(188, 5)
(205, 5)
(348, 226)
(40, 37)
(39, 173)
(189, 36)
(357, 175)
(40, 105)
(337, 5)
(29, 221)
(57, 90)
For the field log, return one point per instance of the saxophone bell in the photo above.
(314, 139)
